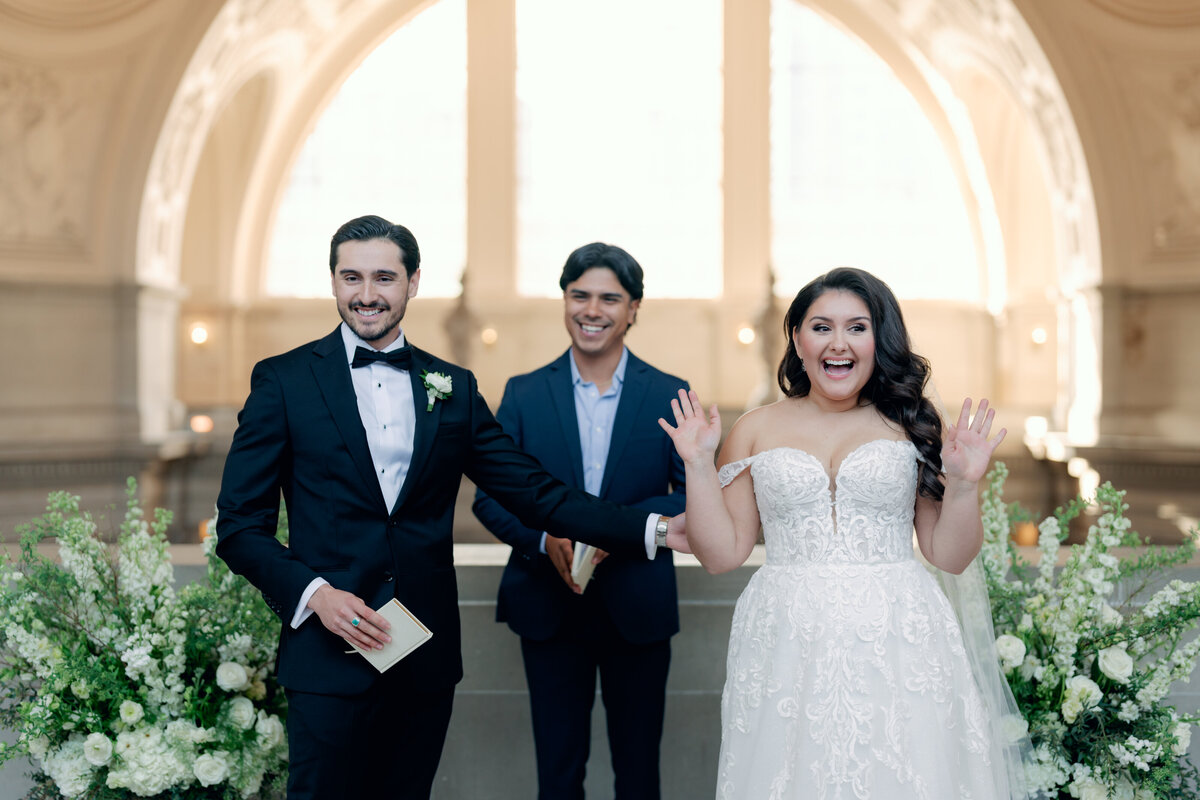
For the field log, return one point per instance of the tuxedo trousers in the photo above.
(383, 744)
(561, 672)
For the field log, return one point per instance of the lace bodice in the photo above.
(866, 517)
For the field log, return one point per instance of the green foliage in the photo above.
(118, 685)
(1092, 649)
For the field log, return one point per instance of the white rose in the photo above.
(241, 713)
(80, 689)
(1013, 727)
(1116, 664)
(1011, 651)
(1089, 789)
(232, 677)
(442, 383)
(97, 749)
(211, 768)
(37, 747)
(1071, 708)
(1183, 738)
(1087, 690)
(131, 712)
(270, 730)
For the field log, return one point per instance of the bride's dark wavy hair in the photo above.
(896, 386)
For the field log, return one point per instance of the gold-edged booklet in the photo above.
(581, 564)
(407, 632)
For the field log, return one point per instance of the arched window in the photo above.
(859, 177)
(393, 143)
(619, 139)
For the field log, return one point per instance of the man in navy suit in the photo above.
(591, 418)
(367, 439)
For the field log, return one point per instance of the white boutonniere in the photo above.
(437, 387)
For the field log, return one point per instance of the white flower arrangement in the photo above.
(1090, 666)
(118, 686)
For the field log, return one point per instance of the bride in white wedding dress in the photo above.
(847, 676)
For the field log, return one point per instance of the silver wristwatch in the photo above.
(660, 532)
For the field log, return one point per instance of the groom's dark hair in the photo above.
(370, 227)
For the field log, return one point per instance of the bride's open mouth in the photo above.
(837, 367)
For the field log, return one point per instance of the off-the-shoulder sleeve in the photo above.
(731, 470)
(923, 460)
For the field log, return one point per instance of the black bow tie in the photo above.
(400, 359)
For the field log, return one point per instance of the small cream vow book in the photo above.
(407, 632)
(582, 566)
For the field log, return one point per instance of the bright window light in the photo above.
(619, 139)
(393, 143)
(859, 177)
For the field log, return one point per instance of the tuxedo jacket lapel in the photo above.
(332, 375)
(629, 410)
(562, 398)
(426, 424)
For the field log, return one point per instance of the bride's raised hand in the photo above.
(966, 450)
(695, 434)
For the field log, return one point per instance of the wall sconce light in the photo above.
(489, 336)
(199, 334)
(1025, 534)
(1039, 335)
(201, 423)
(746, 334)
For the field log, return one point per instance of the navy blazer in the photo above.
(538, 411)
(300, 435)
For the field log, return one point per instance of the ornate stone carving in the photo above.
(74, 14)
(51, 129)
(1160, 13)
(1180, 226)
(246, 37)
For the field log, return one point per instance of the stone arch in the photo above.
(307, 48)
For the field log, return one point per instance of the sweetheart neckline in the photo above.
(832, 478)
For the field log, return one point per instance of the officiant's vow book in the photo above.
(581, 565)
(407, 632)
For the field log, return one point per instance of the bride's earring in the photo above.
(802, 369)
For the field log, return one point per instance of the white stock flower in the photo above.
(232, 677)
(131, 712)
(1183, 738)
(211, 768)
(1011, 651)
(241, 713)
(98, 749)
(1116, 664)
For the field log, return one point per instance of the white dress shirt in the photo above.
(389, 416)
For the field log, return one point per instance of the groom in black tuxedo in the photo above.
(367, 439)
